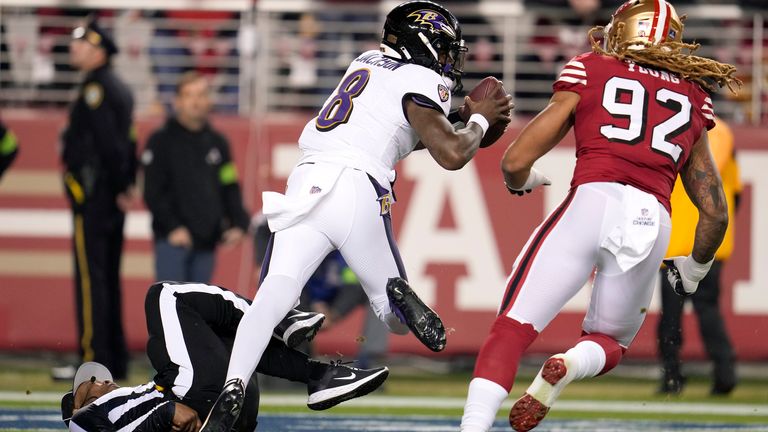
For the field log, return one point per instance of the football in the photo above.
(485, 89)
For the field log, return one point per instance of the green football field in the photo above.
(25, 384)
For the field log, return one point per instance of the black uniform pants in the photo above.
(713, 333)
(98, 246)
(191, 330)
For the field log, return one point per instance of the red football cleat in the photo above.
(531, 409)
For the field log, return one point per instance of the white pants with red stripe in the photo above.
(566, 248)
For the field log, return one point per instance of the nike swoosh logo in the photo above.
(298, 315)
(347, 378)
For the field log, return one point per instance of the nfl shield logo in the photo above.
(644, 212)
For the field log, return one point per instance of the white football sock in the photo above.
(484, 399)
(382, 309)
(586, 360)
(276, 296)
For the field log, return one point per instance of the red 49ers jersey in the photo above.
(633, 125)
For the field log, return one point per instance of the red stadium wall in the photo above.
(459, 233)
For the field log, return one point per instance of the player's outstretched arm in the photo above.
(450, 148)
(538, 137)
(705, 189)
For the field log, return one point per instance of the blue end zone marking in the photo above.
(31, 419)
(50, 420)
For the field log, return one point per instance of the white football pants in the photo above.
(564, 251)
(353, 218)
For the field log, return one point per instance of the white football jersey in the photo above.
(363, 124)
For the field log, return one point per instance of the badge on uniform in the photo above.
(93, 94)
(386, 203)
(443, 92)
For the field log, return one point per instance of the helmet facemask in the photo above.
(453, 65)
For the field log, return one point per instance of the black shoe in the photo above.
(671, 385)
(725, 379)
(298, 327)
(226, 409)
(723, 386)
(339, 383)
(423, 321)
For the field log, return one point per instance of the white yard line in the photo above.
(458, 403)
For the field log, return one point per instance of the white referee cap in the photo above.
(88, 371)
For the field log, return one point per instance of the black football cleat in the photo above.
(226, 409)
(424, 323)
(298, 327)
(337, 383)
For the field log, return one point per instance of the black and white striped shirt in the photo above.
(142, 409)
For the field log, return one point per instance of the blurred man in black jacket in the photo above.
(191, 188)
(99, 156)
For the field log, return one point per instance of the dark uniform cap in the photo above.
(96, 36)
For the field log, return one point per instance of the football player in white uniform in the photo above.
(389, 103)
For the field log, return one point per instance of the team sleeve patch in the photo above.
(709, 113)
(573, 77)
(443, 92)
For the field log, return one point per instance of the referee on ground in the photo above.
(191, 329)
(99, 156)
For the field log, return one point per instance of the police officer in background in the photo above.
(99, 156)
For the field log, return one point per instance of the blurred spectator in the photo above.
(706, 300)
(744, 61)
(134, 35)
(482, 52)
(9, 148)
(205, 37)
(554, 41)
(302, 58)
(99, 156)
(22, 34)
(191, 188)
(542, 64)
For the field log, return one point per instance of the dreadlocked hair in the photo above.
(669, 56)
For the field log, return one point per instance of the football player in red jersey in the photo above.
(640, 116)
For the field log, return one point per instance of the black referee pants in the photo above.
(191, 330)
(706, 305)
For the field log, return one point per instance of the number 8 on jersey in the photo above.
(339, 108)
